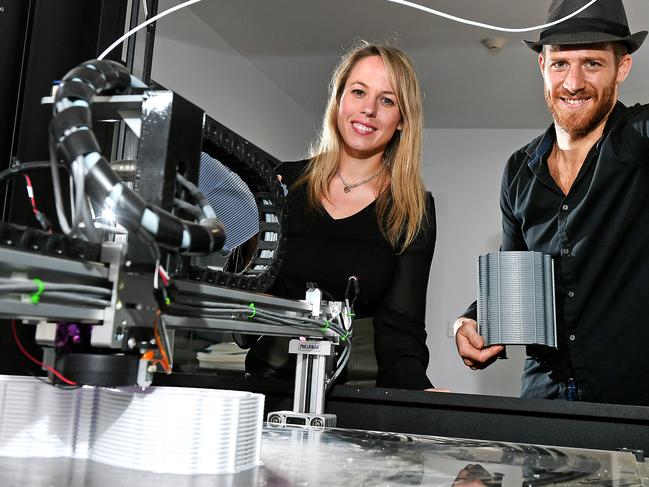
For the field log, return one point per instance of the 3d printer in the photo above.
(108, 294)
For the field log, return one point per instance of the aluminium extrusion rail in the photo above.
(16, 262)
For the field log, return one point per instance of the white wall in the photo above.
(193, 60)
(463, 169)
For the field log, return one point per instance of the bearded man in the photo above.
(580, 192)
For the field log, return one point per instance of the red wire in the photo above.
(42, 219)
(165, 279)
(26, 354)
(30, 193)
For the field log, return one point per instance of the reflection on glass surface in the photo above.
(348, 457)
(333, 457)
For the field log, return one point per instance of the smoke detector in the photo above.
(493, 44)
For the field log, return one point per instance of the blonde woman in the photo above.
(359, 207)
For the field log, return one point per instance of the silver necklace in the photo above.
(348, 187)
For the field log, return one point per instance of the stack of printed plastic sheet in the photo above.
(516, 299)
(158, 429)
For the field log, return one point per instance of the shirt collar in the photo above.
(539, 147)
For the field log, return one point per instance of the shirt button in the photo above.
(565, 251)
(571, 294)
(572, 338)
(564, 207)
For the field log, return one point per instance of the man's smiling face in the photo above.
(581, 84)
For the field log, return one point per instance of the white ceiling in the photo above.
(296, 43)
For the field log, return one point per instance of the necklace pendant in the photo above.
(347, 189)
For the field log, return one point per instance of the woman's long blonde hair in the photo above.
(401, 208)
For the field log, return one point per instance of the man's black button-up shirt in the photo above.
(598, 236)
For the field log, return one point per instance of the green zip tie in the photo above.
(36, 297)
(254, 310)
(326, 327)
(350, 314)
(345, 337)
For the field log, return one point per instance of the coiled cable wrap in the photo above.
(73, 141)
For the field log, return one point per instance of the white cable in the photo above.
(73, 212)
(146, 10)
(488, 26)
(402, 2)
(77, 187)
(143, 25)
(155, 274)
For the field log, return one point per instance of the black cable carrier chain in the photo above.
(256, 169)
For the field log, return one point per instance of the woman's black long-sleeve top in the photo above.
(393, 285)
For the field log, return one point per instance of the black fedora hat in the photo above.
(604, 21)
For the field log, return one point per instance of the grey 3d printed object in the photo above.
(516, 299)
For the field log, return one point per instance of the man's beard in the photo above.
(581, 122)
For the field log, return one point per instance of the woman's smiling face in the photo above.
(368, 112)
